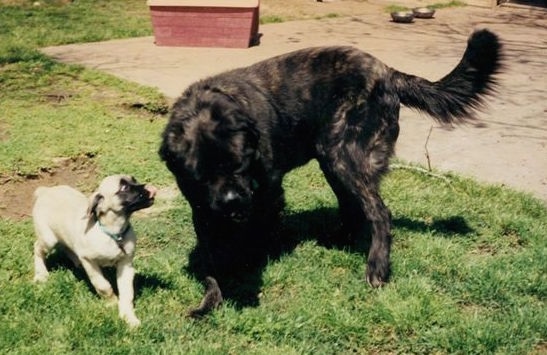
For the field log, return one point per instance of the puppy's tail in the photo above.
(454, 98)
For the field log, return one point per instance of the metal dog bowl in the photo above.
(423, 12)
(402, 16)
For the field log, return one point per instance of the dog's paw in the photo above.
(40, 278)
(375, 281)
(377, 274)
(131, 320)
(127, 313)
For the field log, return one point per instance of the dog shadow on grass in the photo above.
(242, 288)
(142, 282)
(448, 227)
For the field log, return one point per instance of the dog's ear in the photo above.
(233, 118)
(246, 124)
(94, 201)
(92, 212)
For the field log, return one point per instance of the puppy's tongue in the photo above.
(152, 190)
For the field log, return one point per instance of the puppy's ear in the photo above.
(94, 201)
(92, 211)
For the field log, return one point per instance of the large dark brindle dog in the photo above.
(232, 137)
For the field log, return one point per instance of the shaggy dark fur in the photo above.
(232, 137)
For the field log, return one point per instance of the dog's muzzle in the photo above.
(145, 198)
(233, 206)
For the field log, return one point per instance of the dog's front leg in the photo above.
(101, 285)
(125, 274)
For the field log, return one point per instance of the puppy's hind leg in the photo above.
(45, 241)
(40, 270)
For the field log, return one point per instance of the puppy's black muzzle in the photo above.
(139, 197)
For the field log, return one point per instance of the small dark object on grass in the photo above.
(211, 300)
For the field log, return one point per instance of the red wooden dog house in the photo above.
(205, 23)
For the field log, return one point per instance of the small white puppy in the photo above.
(95, 232)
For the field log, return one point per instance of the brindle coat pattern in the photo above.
(232, 137)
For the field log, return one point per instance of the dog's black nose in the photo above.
(230, 197)
(232, 205)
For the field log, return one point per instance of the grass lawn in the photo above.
(469, 260)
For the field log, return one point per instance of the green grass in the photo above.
(436, 6)
(469, 271)
(279, 19)
(53, 110)
(396, 8)
(444, 5)
(329, 15)
(271, 19)
(57, 23)
(465, 280)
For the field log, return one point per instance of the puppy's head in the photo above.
(120, 194)
(211, 145)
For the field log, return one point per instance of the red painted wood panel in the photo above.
(195, 26)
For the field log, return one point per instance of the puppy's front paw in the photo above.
(40, 278)
(131, 320)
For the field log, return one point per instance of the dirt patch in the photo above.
(16, 191)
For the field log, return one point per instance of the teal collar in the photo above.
(117, 237)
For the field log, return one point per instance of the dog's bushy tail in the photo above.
(454, 98)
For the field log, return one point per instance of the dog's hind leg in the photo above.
(378, 264)
(357, 155)
(376, 150)
(45, 242)
(359, 202)
(40, 270)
